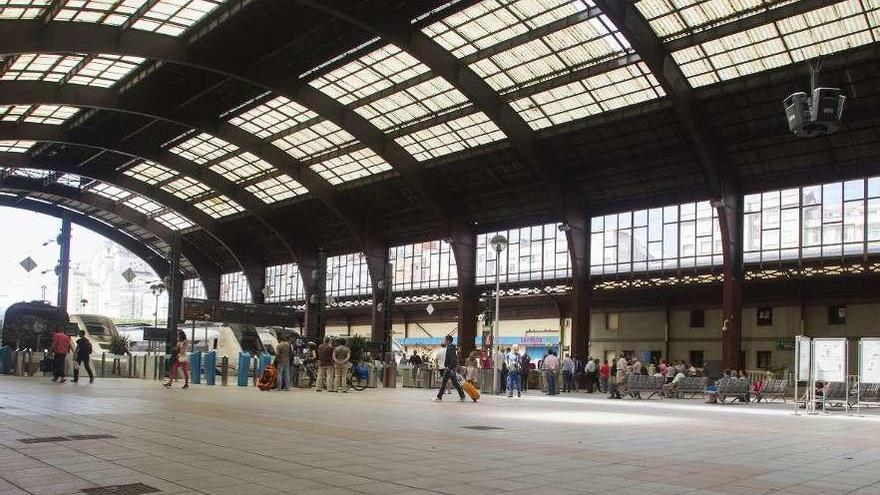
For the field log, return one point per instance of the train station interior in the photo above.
(536, 246)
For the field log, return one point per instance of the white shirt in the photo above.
(590, 367)
(498, 362)
(621, 364)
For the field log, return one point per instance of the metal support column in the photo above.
(212, 287)
(256, 279)
(175, 292)
(315, 283)
(63, 267)
(464, 249)
(578, 236)
(730, 222)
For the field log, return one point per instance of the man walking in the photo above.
(567, 373)
(551, 367)
(60, 348)
(450, 365)
(341, 357)
(282, 356)
(325, 366)
(83, 357)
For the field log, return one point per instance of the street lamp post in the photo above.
(498, 243)
(157, 290)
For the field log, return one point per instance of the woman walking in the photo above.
(471, 364)
(178, 357)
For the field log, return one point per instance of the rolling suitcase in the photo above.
(469, 389)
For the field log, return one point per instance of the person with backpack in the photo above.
(60, 348)
(514, 371)
(450, 370)
(83, 357)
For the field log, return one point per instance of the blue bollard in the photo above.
(5, 359)
(244, 364)
(210, 367)
(195, 366)
(265, 359)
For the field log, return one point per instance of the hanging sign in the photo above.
(129, 275)
(28, 264)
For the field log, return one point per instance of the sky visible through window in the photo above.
(32, 231)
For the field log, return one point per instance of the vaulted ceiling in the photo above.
(263, 129)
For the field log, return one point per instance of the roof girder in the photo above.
(720, 178)
(164, 198)
(31, 37)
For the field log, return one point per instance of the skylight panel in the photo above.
(40, 67)
(314, 140)
(583, 44)
(219, 206)
(50, 114)
(16, 146)
(369, 74)
(149, 172)
(173, 221)
(242, 167)
(272, 117)
(675, 18)
(13, 113)
(23, 9)
(428, 99)
(104, 71)
(819, 32)
(31, 173)
(174, 17)
(109, 191)
(355, 165)
(203, 148)
(112, 12)
(625, 86)
(449, 137)
(143, 205)
(492, 21)
(70, 180)
(276, 189)
(186, 188)
(555, 106)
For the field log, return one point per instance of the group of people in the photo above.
(61, 347)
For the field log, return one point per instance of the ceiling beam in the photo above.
(168, 200)
(203, 266)
(151, 257)
(720, 176)
(23, 36)
(60, 134)
(398, 30)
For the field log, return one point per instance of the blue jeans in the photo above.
(567, 382)
(513, 382)
(283, 380)
(551, 383)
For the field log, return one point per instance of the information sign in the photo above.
(830, 360)
(802, 348)
(870, 361)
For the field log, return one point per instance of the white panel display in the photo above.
(830, 357)
(870, 361)
(802, 345)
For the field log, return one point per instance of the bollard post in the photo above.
(103, 359)
(210, 367)
(224, 371)
(156, 367)
(244, 364)
(195, 365)
(146, 357)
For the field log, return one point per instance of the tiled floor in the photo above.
(230, 440)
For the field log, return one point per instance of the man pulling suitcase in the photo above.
(450, 370)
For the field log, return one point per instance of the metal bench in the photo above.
(637, 385)
(772, 390)
(738, 389)
(691, 387)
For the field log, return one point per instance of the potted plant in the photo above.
(119, 346)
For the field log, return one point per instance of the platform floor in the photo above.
(230, 440)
